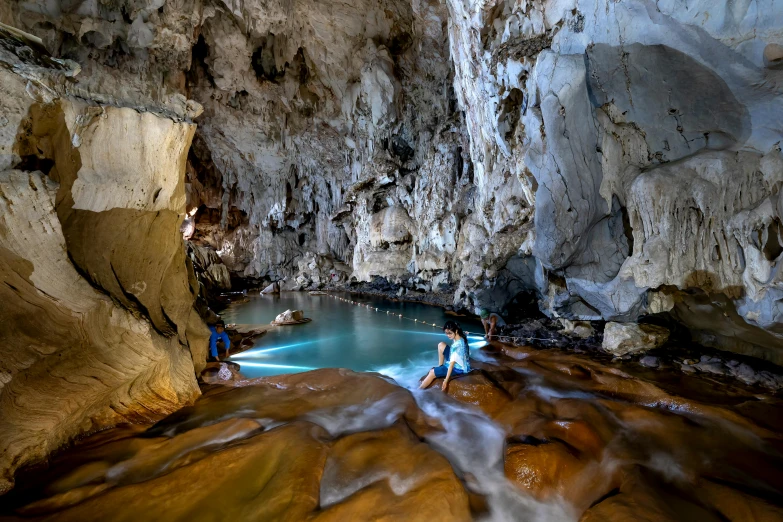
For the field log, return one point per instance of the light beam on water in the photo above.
(278, 366)
(257, 352)
(340, 335)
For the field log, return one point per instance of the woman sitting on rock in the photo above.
(453, 360)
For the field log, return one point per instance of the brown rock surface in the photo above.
(96, 304)
(545, 470)
(736, 505)
(284, 398)
(273, 476)
(207, 467)
(389, 475)
(375, 456)
(639, 500)
(477, 389)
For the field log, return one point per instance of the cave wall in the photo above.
(95, 297)
(650, 134)
(626, 154)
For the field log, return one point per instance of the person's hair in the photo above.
(220, 323)
(454, 327)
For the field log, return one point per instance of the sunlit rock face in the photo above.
(96, 303)
(616, 159)
(649, 133)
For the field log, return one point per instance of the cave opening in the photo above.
(264, 63)
(773, 246)
(510, 113)
(198, 64)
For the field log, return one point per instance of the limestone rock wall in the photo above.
(95, 298)
(649, 133)
(616, 159)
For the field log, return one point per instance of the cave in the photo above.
(390, 260)
(264, 62)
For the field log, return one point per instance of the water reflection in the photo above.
(341, 335)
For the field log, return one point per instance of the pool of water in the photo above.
(344, 335)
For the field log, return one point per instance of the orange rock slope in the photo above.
(582, 440)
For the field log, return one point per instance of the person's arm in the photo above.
(493, 321)
(213, 345)
(448, 375)
(484, 324)
(226, 343)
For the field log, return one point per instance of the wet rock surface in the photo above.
(578, 439)
(325, 445)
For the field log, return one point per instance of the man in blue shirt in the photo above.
(220, 336)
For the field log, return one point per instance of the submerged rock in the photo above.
(631, 338)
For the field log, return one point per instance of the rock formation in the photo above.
(95, 300)
(613, 159)
(569, 439)
(650, 134)
(622, 339)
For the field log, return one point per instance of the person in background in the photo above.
(218, 337)
(188, 226)
(491, 321)
(452, 360)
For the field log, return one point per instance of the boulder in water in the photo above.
(291, 317)
(629, 338)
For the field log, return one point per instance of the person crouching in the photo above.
(218, 338)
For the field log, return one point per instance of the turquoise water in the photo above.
(344, 335)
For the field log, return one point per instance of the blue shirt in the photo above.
(214, 338)
(460, 354)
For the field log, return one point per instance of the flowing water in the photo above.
(533, 435)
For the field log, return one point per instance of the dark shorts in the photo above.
(443, 369)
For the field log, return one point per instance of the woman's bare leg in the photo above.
(427, 380)
(441, 349)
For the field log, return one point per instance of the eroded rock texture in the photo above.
(615, 159)
(650, 134)
(570, 439)
(96, 303)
